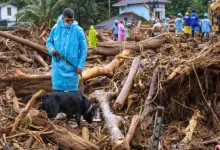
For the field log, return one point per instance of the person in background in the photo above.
(121, 31)
(67, 39)
(115, 30)
(156, 28)
(194, 22)
(92, 37)
(166, 24)
(178, 23)
(206, 26)
(127, 26)
(187, 25)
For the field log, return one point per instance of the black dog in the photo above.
(70, 103)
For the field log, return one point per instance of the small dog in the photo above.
(70, 103)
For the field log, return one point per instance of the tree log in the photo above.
(69, 140)
(191, 127)
(150, 95)
(85, 133)
(26, 42)
(40, 60)
(107, 70)
(111, 120)
(60, 135)
(119, 103)
(114, 48)
(134, 123)
(24, 84)
(24, 58)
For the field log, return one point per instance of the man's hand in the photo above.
(79, 71)
(55, 52)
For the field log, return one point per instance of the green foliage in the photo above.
(181, 6)
(87, 12)
(39, 11)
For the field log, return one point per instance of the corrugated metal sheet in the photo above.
(130, 2)
(109, 23)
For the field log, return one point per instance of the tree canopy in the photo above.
(89, 12)
(181, 6)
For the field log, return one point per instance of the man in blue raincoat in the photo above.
(194, 22)
(179, 24)
(67, 39)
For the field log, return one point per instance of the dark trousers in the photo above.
(207, 34)
(115, 37)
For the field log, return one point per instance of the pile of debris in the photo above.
(130, 82)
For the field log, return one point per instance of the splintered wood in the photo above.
(112, 121)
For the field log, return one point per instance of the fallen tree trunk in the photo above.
(119, 103)
(114, 48)
(26, 42)
(107, 70)
(24, 58)
(24, 84)
(111, 120)
(40, 60)
(150, 95)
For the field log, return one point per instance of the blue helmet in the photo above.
(205, 15)
(179, 14)
(116, 21)
(167, 19)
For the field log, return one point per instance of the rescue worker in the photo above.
(115, 30)
(166, 24)
(178, 23)
(121, 31)
(194, 22)
(187, 25)
(206, 26)
(92, 37)
(127, 26)
(156, 28)
(67, 46)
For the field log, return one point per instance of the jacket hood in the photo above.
(61, 23)
(92, 27)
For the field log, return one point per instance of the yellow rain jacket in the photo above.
(92, 37)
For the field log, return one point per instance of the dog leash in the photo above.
(59, 56)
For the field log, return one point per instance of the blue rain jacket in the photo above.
(115, 30)
(206, 25)
(167, 27)
(71, 43)
(179, 24)
(187, 20)
(194, 20)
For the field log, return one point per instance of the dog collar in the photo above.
(90, 108)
